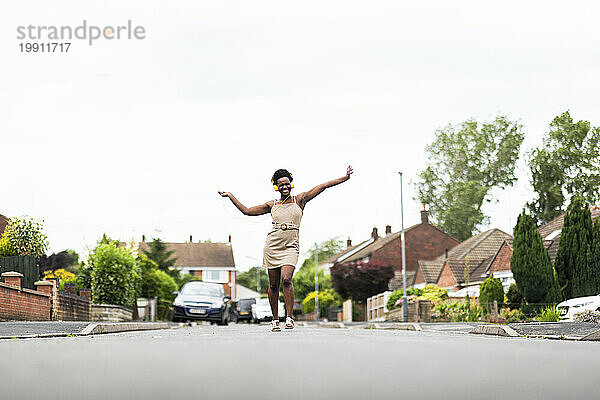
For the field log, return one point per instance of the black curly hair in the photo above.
(280, 173)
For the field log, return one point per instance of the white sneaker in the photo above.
(289, 323)
(275, 326)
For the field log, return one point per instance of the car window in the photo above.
(201, 289)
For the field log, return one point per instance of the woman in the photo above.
(282, 246)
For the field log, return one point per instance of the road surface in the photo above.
(248, 362)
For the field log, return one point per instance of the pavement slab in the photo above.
(567, 330)
(27, 330)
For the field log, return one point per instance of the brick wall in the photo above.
(71, 307)
(17, 303)
(419, 311)
(446, 278)
(111, 313)
(502, 260)
(423, 242)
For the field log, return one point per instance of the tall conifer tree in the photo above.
(575, 263)
(530, 264)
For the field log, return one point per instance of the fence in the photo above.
(376, 306)
(25, 265)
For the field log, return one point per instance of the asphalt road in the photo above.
(249, 362)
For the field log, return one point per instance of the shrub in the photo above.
(396, 295)
(548, 314)
(491, 290)
(23, 237)
(433, 293)
(514, 298)
(114, 274)
(457, 311)
(511, 316)
(63, 277)
(587, 316)
(159, 284)
(327, 298)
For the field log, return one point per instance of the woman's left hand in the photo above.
(349, 171)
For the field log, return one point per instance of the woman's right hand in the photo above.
(223, 194)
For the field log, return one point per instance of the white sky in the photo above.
(135, 137)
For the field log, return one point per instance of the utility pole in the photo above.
(316, 282)
(404, 299)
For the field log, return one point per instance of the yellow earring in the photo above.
(292, 184)
(276, 188)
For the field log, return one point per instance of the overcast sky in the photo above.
(135, 137)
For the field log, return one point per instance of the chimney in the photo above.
(190, 238)
(424, 215)
(348, 242)
(229, 240)
(388, 230)
(143, 238)
(374, 234)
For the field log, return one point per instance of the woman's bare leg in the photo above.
(287, 271)
(274, 278)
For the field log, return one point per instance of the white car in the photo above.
(261, 310)
(568, 308)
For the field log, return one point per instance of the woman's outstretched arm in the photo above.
(317, 190)
(256, 210)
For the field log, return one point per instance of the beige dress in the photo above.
(283, 246)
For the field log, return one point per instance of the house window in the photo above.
(215, 275)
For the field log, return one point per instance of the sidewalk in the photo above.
(26, 330)
(579, 331)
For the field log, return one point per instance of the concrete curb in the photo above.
(99, 328)
(495, 330)
(405, 326)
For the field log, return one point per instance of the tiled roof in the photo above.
(396, 282)
(3, 223)
(191, 254)
(555, 225)
(558, 222)
(431, 270)
(477, 249)
(334, 258)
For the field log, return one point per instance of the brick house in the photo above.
(211, 262)
(469, 263)
(3, 223)
(424, 241)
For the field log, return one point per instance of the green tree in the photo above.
(530, 264)
(568, 163)
(575, 263)
(491, 290)
(248, 279)
(114, 274)
(162, 257)
(23, 237)
(465, 162)
(514, 298)
(304, 278)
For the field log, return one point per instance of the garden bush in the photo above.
(511, 316)
(63, 277)
(491, 290)
(114, 274)
(548, 314)
(327, 299)
(587, 316)
(514, 298)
